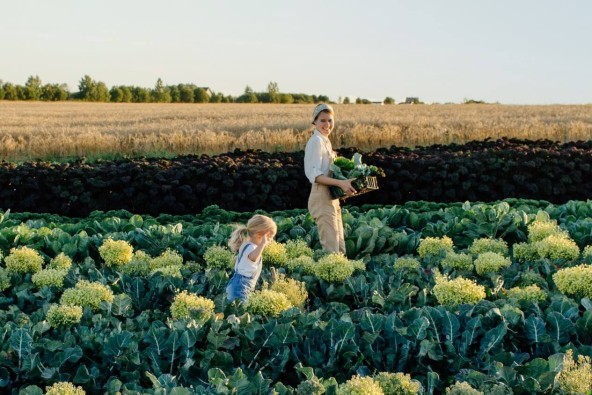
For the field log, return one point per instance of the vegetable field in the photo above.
(489, 298)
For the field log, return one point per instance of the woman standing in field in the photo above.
(249, 242)
(318, 157)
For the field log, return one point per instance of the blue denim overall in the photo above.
(239, 286)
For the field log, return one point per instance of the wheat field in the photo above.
(66, 130)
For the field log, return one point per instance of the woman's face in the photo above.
(324, 123)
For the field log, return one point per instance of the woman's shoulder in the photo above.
(314, 140)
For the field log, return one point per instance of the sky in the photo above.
(441, 51)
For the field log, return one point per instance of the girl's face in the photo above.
(324, 123)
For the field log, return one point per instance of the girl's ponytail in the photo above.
(237, 238)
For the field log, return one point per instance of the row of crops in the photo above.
(246, 181)
(432, 298)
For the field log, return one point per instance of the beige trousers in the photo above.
(327, 214)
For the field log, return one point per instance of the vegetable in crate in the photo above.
(364, 176)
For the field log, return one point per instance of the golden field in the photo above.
(66, 130)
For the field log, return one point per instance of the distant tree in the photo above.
(358, 100)
(473, 101)
(116, 94)
(33, 88)
(322, 99)
(21, 92)
(160, 93)
(10, 92)
(87, 89)
(286, 98)
(274, 92)
(186, 93)
(389, 100)
(346, 100)
(1, 90)
(102, 92)
(201, 96)
(140, 95)
(248, 97)
(175, 93)
(216, 98)
(54, 92)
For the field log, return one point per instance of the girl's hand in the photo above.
(266, 239)
(347, 187)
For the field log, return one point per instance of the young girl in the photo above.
(249, 242)
(318, 156)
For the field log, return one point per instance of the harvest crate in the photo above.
(361, 184)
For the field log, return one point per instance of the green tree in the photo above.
(274, 92)
(248, 97)
(127, 94)
(186, 93)
(116, 94)
(175, 93)
(216, 98)
(161, 93)
(33, 88)
(102, 92)
(140, 95)
(20, 92)
(10, 92)
(1, 91)
(54, 92)
(87, 89)
(346, 100)
(389, 100)
(201, 96)
(286, 98)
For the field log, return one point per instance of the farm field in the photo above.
(62, 131)
(494, 295)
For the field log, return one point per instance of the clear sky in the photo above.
(508, 51)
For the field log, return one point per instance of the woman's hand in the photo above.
(346, 186)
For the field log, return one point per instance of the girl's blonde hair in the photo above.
(257, 224)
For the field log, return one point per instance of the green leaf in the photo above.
(239, 382)
(471, 331)
(156, 337)
(560, 328)
(584, 326)
(122, 305)
(535, 329)
(5, 379)
(71, 354)
(450, 325)
(259, 385)
(417, 330)
(373, 323)
(283, 334)
(31, 390)
(21, 342)
(433, 382)
(117, 344)
(493, 337)
(136, 220)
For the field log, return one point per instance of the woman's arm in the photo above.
(343, 184)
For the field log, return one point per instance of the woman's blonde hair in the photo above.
(257, 224)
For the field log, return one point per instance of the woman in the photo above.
(318, 157)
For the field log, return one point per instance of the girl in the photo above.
(249, 242)
(318, 156)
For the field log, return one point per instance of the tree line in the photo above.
(91, 90)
